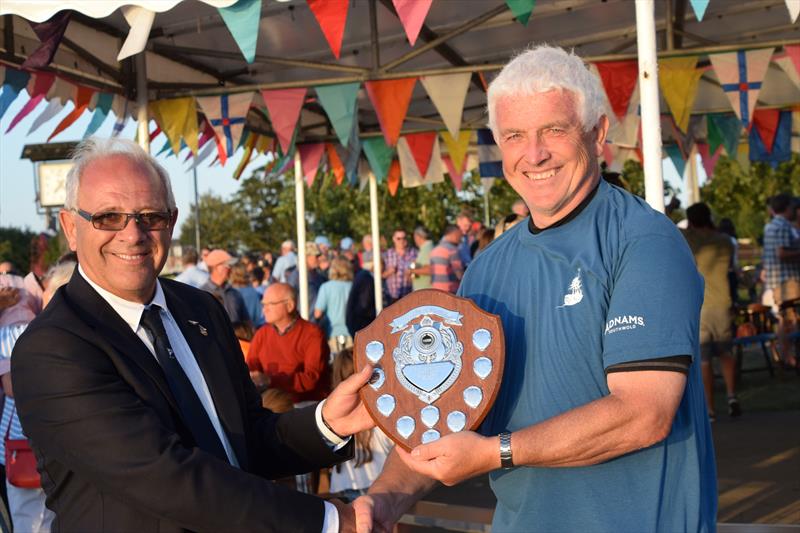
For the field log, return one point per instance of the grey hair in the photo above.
(59, 275)
(422, 232)
(288, 244)
(95, 148)
(544, 68)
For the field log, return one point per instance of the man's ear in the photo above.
(67, 221)
(291, 306)
(601, 132)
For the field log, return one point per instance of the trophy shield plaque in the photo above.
(438, 363)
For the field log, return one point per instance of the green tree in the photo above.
(223, 224)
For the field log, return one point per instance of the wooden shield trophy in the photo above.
(438, 365)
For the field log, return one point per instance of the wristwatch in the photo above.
(506, 461)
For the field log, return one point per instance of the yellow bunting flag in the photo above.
(457, 148)
(177, 118)
(678, 78)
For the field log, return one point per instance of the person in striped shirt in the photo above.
(446, 267)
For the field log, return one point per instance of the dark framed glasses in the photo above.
(114, 221)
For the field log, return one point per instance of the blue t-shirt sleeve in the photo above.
(322, 298)
(654, 306)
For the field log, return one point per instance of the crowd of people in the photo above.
(145, 398)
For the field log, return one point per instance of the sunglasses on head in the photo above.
(115, 221)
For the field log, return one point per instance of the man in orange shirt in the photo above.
(289, 353)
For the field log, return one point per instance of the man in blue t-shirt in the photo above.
(600, 422)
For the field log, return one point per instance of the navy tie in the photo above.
(192, 412)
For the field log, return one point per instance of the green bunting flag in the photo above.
(724, 129)
(522, 9)
(339, 103)
(379, 155)
(242, 20)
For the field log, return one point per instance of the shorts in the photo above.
(788, 290)
(716, 335)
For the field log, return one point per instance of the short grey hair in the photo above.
(544, 68)
(95, 148)
(422, 232)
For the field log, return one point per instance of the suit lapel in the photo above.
(193, 322)
(110, 327)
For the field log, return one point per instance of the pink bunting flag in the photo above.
(82, 99)
(284, 107)
(766, 123)
(41, 84)
(709, 161)
(421, 146)
(412, 15)
(331, 16)
(793, 51)
(455, 176)
(310, 156)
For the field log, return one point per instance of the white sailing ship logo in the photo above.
(575, 292)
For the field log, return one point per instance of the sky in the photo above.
(17, 192)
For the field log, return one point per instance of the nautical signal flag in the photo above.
(227, 115)
(490, 161)
(740, 75)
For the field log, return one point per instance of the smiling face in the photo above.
(547, 157)
(126, 262)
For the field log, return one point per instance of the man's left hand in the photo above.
(454, 457)
(343, 410)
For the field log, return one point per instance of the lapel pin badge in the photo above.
(203, 330)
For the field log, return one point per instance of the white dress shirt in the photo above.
(131, 313)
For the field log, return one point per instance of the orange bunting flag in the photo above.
(766, 123)
(284, 106)
(678, 78)
(82, 98)
(393, 177)
(619, 80)
(331, 16)
(310, 156)
(412, 15)
(335, 162)
(421, 146)
(390, 98)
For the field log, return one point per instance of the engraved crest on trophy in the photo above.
(438, 365)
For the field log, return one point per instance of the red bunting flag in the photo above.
(766, 123)
(284, 106)
(393, 177)
(82, 99)
(390, 98)
(331, 16)
(619, 80)
(421, 146)
(42, 84)
(310, 156)
(412, 15)
(336, 163)
(793, 51)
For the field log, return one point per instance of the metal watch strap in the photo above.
(506, 461)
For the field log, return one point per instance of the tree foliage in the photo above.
(223, 224)
(741, 194)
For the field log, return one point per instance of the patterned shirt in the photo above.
(399, 283)
(778, 233)
(8, 337)
(446, 267)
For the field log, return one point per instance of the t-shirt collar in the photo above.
(570, 216)
(130, 312)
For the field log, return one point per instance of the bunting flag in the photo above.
(448, 92)
(242, 20)
(41, 84)
(789, 67)
(227, 115)
(619, 80)
(206, 151)
(14, 82)
(740, 75)
(457, 148)
(781, 148)
(699, 7)
(331, 16)
(793, 51)
(335, 162)
(490, 159)
(765, 122)
(284, 106)
(120, 108)
(794, 9)
(724, 129)
(53, 108)
(101, 109)
(455, 176)
(390, 98)
(678, 78)
(709, 161)
(421, 147)
(50, 34)
(155, 133)
(675, 155)
(412, 15)
(695, 130)
(626, 132)
(140, 21)
(379, 155)
(393, 177)
(413, 176)
(310, 156)
(167, 147)
(521, 9)
(353, 156)
(339, 103)
(177, 118)
(252, 139)
(83, 97)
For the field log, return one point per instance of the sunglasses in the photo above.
(114, 221)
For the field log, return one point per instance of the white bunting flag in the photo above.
(448, 92)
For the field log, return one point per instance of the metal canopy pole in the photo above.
(300, 218)
(196, 211)
(142, 118)
(651, 114)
